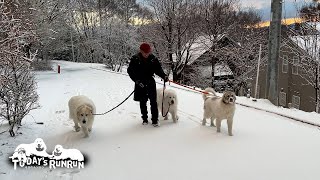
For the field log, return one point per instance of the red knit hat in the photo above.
(145, 47)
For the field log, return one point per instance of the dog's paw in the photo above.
(77, 129)
(204, 123)
(212, 125)
(89, 129)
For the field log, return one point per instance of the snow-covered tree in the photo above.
(172, 32)
(18, 94)
(310, 11)
(103, 31)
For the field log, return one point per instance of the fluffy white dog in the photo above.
(38, 148)
(60, 153)
(170, 103)
(219, 108)
(20, 154)
(81, 110)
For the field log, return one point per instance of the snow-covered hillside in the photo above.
(264, 146)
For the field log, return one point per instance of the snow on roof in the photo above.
(198, 47)
(315, 24)
(310, 43)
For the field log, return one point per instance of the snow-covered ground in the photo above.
(264, 145)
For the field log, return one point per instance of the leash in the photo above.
(98, 114)
(203, 92)
(164, 87)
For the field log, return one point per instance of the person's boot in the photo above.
(145, 122)
(155, 123)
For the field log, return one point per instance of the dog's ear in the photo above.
(78, 109)
(90, 108)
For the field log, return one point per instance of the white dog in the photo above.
(38, 148)
(20, 154)
(170, 103)
(81, 111)
(219, 108)
(60, 153)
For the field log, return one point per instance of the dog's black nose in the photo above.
(83, 122)
(172, 102)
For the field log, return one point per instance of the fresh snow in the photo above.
(264, 145)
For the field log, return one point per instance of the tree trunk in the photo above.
(175, 76)
(317, 101)
(318, 89)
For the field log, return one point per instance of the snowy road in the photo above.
(264, 146)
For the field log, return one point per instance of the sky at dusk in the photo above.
(290, 7)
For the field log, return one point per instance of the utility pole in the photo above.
(257, 78)
(317, 53)
(273, 52)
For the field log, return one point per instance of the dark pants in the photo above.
(152, 96)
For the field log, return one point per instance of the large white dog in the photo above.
(60, 153)
(38, 148)
(219, 108)
(170, 103)
(81, 111)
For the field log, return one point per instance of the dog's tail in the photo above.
(209, 92)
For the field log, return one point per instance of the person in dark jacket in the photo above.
(141, 70)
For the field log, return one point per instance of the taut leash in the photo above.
(164, 87)
(98, 114)
(203, 92)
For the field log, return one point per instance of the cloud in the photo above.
(255, 4)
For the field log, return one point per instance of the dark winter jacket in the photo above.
(143, 70)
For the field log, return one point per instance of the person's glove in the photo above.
(166, 78)
(139, 83)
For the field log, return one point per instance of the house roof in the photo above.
(310, 44)
(198, 47)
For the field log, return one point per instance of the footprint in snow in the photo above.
(60, 112)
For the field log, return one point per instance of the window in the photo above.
(285, 64)
(295, 65)
(282, 99)
(296, 102)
